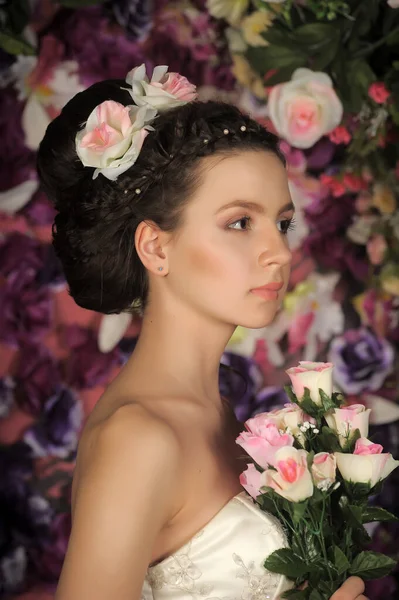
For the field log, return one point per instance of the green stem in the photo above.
(376, 44)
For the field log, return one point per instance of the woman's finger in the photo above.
(351, 589)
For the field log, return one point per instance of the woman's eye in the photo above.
(241, 224)
(285, 225)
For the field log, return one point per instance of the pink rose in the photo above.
(340, 135)
(291, 479)
(346, 420)
(305, 108)
(164, 91)
(112, 137)
(262, 440)
(290, 418)
(364, 447)
(324, 470)
(378, 92)
(376, 249)
(311, 375)
(250, 480)
(368, 464)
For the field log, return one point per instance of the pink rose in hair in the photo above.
(112, 137)
(164, 91)
(378, 92)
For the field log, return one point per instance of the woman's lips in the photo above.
(268, 291)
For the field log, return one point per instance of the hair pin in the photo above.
(243, 128)
(138, 191)
(226, 131)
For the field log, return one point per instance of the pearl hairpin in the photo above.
(226, 131)
(138, 191)
(243, 128)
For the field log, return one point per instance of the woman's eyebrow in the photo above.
(254, 206)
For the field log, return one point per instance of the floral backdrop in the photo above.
(322, 74)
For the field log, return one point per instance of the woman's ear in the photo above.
(150, 242)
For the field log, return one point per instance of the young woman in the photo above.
(181, 208)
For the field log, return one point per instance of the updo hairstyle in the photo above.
(94, 229)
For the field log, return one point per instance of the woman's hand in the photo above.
(352, 589)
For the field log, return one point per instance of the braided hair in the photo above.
(94, 229)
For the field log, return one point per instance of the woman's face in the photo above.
(233, 240)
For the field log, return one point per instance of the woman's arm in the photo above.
(123, 499)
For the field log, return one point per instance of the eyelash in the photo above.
(289, 224)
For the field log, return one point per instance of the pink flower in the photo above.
(324, 470)
(262, 439)
(363, 447)
(291, 417)
(346, 420)
(112, 137)
(311, 375)
(354, 183)
(305, 108)
(250, 480)
(378, 92)
(291, 479)
(340, 135)
(376, 249)
(336, 187)
(164, 91)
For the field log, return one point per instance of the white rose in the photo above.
(311, 375)
(112, 137)
(291, 417)
(305, 108)
(368, 463)
(164, 91)
(292, 479)
(324, 469)
(345, 420)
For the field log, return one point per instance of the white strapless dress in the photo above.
(223, 561)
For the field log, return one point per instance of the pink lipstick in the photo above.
(268, 291)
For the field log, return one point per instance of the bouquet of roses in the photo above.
(314, 469)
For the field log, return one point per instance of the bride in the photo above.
(180, 209)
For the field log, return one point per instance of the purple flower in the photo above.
(327, 242)
(135, 16)
(362, 361)
(25, 516)
(18, 253)
(51, 559)
(56, 432)
(37, 377)
(239, 380)
(7, 386)
(16, 161)
(101, 52)
(87, 366)
(51, 273)
(269, 398)
(25, 308)
(40, 211)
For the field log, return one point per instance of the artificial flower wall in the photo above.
(324, 77)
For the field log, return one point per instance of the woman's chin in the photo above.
(258, 321)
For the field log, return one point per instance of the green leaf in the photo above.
(267, 504)
(375, 513)
(328, 439)
(341, 561)
(16, 16)
(295, 595)
(315, 595)
(264, 59)
(286, 562)
(327, 402)
(372, 565)
(15, 44)
(357, 491)
(290, 393)
(350, 443)
(299, 509)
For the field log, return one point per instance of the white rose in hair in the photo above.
(112, 137)
(164, 91)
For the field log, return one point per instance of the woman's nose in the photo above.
(275, 249)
